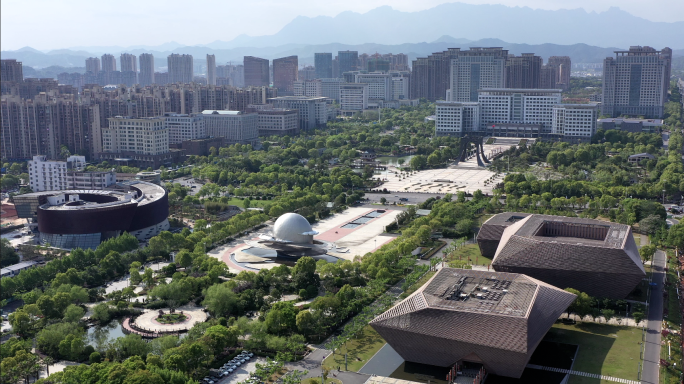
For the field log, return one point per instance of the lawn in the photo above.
(359, 350)
(471, 252)
(603, 349)
(252, 204)
(418, 284)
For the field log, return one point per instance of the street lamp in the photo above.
(663, 197)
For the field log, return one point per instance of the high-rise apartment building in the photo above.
(348, 61)
(307, 73)
(128, 62)
(92, 64)
(430, 75)
(211, 70)
(563, 66)
(477, 68)
(636, 82)
(523, 71)
(235, 127)
(256, 71)
(285, 73)
(141, 136)
(323, 64)
(184, 127)
(11, 70)
(146, 76)
(108, 63)
(180, 68)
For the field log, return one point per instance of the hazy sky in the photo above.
(54, 24)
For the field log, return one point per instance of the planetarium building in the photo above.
(84, 218)
(292, 236)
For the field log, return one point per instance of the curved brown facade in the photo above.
(81, 221)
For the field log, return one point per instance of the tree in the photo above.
(418, 162)
(306, 322)
(73, 313)
(7, 254)
(304, 273)
(220, 337)
(221, 301)
(101, 313)
(583, 303)
(383, 200)
(21, 322)
(281, 318)
(184, 258)
(95, 357)
(148, 277)
(647, 252)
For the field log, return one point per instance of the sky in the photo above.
(56, 24)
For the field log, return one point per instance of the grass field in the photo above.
(359, 351)
(603, 349)
(418, 284)
(472, 252)
(253, 204)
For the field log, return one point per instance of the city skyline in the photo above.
(19, 32)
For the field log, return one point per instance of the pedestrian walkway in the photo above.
(585, 374)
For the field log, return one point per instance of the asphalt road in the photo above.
(655, 319)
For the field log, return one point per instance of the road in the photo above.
(413, 197)
(655, 319)
(187, 181)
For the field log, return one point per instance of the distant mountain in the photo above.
(579, 53)
(385, 25)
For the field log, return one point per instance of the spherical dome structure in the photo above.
(294, 228)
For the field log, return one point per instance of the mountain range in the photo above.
(587, 37)
(385, 25)
(579, 53)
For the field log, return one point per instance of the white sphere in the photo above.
(291, 227)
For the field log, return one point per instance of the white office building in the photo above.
(278, 121)
(142, 136)
(184, 127)
(313, 111)
(400, 86)
(49, 175)
(330, 88)
(308, 88)
(353, 96)
(454, 119)
(235, 126)
(575, 120)
(520, 106)
(379, 85)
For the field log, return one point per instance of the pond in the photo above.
(99, 336)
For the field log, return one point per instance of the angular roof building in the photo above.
(592, 256)
(492, 318)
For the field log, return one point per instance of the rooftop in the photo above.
(18, 266)
(507, 294)
(211, 112)
(573, 230)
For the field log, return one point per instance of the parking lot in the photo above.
(241, 373)
(188, 181)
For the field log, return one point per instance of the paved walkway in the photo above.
(651, 368)
(585, 374)
(147, 321)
